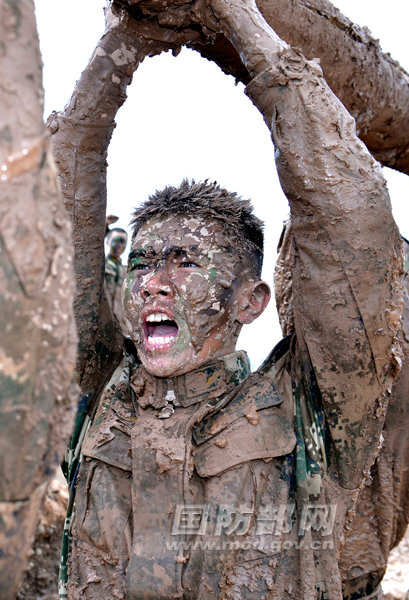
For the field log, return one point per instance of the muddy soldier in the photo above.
(199, 479)
(116, 240)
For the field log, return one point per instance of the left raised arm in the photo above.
(347, 250)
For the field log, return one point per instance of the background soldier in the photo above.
(116, 241)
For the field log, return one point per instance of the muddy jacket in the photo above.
(185, 506)
(273, 462)
(231, 496)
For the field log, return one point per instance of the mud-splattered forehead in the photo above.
(161, 235)
(209, 201)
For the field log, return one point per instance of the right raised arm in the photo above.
(81, 135)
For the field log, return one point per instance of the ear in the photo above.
(253, 299)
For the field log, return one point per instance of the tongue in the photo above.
(164, 330)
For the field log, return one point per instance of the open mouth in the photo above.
(160, 331)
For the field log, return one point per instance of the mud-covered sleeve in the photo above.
(102, 532)
(81, 135)
(102, 522)
(347, 251)
(347, 254)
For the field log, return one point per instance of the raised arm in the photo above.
(81, 135)
(347, 251)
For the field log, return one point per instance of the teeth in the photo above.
(160, 341)
(157, 317)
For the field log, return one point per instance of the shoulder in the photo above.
(108, 438)
(110, 266)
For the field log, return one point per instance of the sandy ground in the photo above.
(396, 581)
(40, 582)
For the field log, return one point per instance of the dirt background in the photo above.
(396, 580)
(41, 577)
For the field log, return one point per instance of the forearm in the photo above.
(254, 40)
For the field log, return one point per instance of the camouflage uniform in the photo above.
(272, 461)
(382, 508)
(115, 273)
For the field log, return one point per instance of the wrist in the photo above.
(256, 43)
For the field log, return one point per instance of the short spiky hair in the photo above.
(208, 201)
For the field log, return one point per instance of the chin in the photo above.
(165, 366)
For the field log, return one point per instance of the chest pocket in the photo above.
(266, 436)
(115, 451)
(252, 426)
(109, 437)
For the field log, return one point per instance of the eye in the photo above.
(138, 266)
(188, 264)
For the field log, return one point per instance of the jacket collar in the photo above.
(207, 383)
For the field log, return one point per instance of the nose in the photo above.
(159, 283)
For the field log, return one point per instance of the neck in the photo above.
(207, 383)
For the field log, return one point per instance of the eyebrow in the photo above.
(178, 250)
(141, 253)
(150, 253)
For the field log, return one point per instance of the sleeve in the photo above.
(346, 256)
(81, 135)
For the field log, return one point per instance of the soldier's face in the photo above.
(117, 243)
(181, 294)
